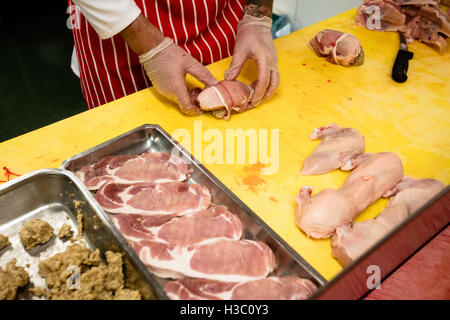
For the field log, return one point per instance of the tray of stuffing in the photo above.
(57, 243)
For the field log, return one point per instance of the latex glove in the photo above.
(166, 66)
(254, 41)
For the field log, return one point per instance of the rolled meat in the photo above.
(338, 47)
(226, 97)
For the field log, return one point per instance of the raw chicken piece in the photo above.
(351, 241)
(338, 147)
(320, 215)
(227, 95)
(339, 48)
(415, 193)
(172, 198)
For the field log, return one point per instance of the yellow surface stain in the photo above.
(253, 179)
(411, 119)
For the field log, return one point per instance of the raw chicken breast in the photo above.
(337, 148)
(319, 216)
(351, 241)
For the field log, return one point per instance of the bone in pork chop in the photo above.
(351, 241)
(214, 222)
(272, 288)
(320, 215)
(172, 198)
(153, 167)
(215, 259)
(338, 47)
(226, 97)
(337, 148)
(202, 244)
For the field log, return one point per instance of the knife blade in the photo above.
(401, 63)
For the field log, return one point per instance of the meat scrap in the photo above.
(271, 288)
(226, 97)
(375, 176)
(421, 20)
(172, 198)
(336, 150)
(338, 47)
(352, 240)
(153, 167)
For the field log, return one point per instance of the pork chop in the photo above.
(173, 198)
(196, 227)
(220, 259)
(153, 167)
(352, 240)
(272, 288)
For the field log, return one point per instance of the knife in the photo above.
(401, 61)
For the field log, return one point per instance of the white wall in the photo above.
(303, 13)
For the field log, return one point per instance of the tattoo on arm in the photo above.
(259, 8)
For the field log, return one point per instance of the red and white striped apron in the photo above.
(109, 69)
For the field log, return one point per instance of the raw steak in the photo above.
(272, 288)
(351, 241)
(153, 167)
(215, 259)
(214, 222)
(320, 215)
(337, 148)
(172, 198)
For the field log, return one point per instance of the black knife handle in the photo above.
(401, 65)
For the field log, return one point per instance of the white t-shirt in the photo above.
(108, 17)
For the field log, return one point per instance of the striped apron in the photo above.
(109, 69)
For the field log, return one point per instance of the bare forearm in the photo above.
(141, 35)
(259, 8)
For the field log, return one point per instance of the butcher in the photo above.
(123, 46)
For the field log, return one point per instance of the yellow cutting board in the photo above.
(411, 119)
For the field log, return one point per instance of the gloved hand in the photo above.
(254, 41)
(166, 66)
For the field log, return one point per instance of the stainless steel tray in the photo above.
(54, 195)
(152, 138)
